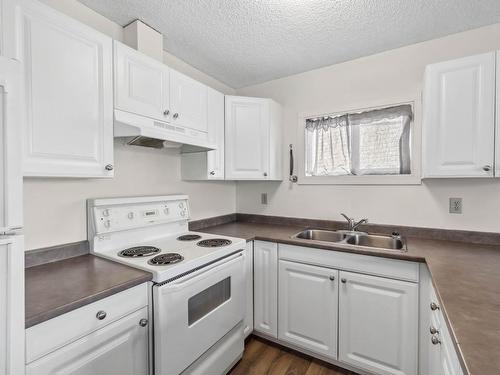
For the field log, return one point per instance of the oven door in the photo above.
(194, 311)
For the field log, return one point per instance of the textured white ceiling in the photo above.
(243, 42)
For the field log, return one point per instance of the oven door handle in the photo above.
(183, 281)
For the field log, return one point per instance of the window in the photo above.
(208, 300)
(371, 142)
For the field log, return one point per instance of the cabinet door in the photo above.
(118, 348)
(248, 321)
(188, 99)
(378, 324)
(215, 158)
(247, 138)
(68, 94)
(459, 117)
(308, 305)
(12, 358)
(265, 271)
(141, 84)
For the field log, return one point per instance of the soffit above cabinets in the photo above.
(244, 42)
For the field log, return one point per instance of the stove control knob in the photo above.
(167, 211)
(181, 205)
(107, 224)
(183, 213)
(130, 215)
(105, 212)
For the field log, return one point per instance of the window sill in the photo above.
(360, 180)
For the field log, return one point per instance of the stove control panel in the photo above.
(115, 218)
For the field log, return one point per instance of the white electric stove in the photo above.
(198, 288)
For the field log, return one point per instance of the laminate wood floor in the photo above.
(264, 358)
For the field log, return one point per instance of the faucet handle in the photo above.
(346, 217)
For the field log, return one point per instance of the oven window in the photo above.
(208, 300)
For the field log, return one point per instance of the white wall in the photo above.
(390, 75)
(55, 208)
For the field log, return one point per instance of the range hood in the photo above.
(147, 132)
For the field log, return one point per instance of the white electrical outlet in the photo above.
(455, 205)
(263, 198)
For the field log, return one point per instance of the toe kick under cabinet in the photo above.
(355, 311)
(110, 336)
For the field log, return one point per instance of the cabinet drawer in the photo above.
(52, 334)
(392, 268)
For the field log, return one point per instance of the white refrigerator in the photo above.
(11, 222)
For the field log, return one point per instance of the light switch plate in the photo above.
(455, 205)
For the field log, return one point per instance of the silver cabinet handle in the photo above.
(434, 306)
(212, 173)
(143, 322)
(433, 330)
(101, 315)
(166, 112)
(435, 340)
(343, 280)
(332, 277)
(109, 167)
(176, 115)
(487, 168)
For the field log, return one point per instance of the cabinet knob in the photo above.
(435, 340)
(166, 112)
(434, 306)
(109, 167)
(176, 115)
(212, 173)
(101, 315)
(332, 277)
(487, 168)
(433, 330)
(343, 280)
(143, 322)
(265, 174)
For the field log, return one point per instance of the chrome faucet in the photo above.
(352, 225)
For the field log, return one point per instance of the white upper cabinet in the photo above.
(208, 165)
(188, 99)
(497, 118)
(459, 118)
(11, 180)
(141, 84)
(253, 139)
(308, 306)
(378, 324)
(67, 91)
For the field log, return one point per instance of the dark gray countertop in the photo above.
(56, 288)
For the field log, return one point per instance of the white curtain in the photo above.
(365, 143)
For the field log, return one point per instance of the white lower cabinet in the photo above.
(378, 324)
(248, 321)
(308, 307)
(265, 288)
(118, 348)
(109, 336)
(442, 358)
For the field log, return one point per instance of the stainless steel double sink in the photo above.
(375, 241)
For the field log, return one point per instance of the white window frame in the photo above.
(416, 142)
